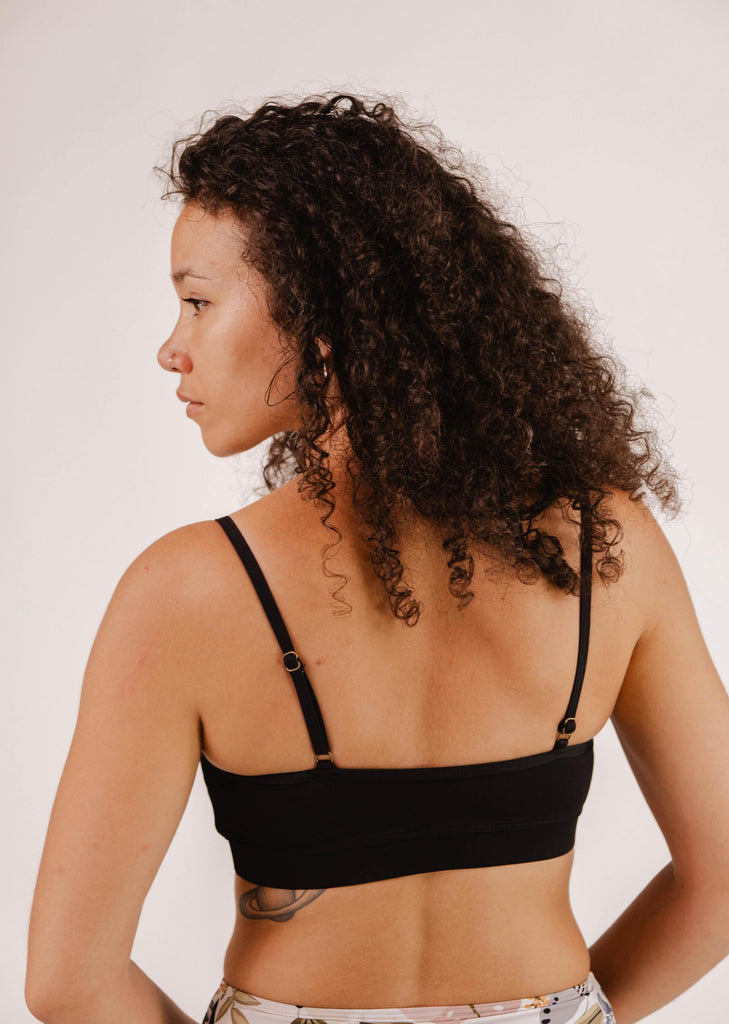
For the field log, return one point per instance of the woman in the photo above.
(398, 758)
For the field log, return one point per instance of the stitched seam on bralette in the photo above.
(429, 773)
(411, 836)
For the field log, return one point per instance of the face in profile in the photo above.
(226, 349)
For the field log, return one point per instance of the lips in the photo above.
(186, 398)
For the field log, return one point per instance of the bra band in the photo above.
(568, 724)
(295, 667)
(292, 662)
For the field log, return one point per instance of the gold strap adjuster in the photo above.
(566, 729)
(299, 664)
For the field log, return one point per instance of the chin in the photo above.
(222, 451)
(224, 447)
(244, 439)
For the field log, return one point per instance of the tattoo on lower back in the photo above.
(261, 903)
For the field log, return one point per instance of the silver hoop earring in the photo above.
(326, 372)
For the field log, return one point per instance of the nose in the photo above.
(171, 356)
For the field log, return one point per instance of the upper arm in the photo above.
(672, 713)
(128, 774)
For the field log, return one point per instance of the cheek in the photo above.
(249, 354)
(238, 338)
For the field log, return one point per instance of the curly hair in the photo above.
(474, 392)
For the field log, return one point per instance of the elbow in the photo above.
(74, 990)
(706, 904)
(37, 992)
(48, 1008)
(38, 999)
(707, 881)
(45, 1003)
(67, 983)
(54, 1002)
(45, 997)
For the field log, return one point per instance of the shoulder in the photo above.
(182, 566)
(172, 593)
(631, 530)
(630, 511)
(652, 574)
(638, 571)
(194, 570)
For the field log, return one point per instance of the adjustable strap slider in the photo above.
(565, 729)
(292, 668)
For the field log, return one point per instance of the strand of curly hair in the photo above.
(474, 393)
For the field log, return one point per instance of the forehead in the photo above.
(208, 242)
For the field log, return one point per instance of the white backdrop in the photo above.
(607, 120)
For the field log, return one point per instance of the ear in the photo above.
(324, 346)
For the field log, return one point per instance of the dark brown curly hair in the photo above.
(474, 392)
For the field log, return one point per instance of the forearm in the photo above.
(135, 1000)
(669, 937)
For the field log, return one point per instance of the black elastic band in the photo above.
(568, 724)
(304, 691)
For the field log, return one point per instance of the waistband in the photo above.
(566, 1005)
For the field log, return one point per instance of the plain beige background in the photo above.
(607, 123)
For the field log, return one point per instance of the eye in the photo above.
(199, 304)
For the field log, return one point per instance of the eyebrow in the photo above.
(179, 275)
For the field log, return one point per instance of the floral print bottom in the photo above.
(581, 1004)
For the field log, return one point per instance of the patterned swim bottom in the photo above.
(581, 1004)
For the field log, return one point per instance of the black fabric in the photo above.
(328, 826)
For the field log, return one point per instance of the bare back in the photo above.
(487, 683)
